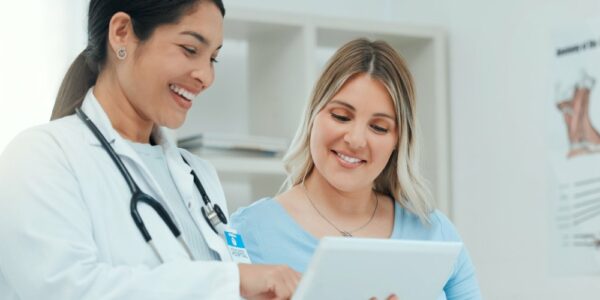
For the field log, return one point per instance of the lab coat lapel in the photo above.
(180, 171)
(184, 181)
(96, 113)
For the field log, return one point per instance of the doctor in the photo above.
(74, 223)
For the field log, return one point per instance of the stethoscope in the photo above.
(212, 212)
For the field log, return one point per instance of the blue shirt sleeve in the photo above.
(462, 283)
(272, 235)
(249, 233)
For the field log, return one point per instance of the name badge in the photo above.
(236, 246)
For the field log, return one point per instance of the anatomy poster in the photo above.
(574, 139)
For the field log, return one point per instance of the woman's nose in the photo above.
(356, 137)
(204, 73)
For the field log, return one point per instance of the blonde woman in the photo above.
(352, 169)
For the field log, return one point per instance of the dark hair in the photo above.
(145, 15)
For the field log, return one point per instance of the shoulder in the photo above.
(254, 223)
(437, 227)
(446, 227)
(260, 216)
(39, 166)
(69, 127)
(61, 127)
(262, 209)
(42, 142)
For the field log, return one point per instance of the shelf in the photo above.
(269, 64)
(246, 165)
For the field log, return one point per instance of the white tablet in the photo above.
(357, 268)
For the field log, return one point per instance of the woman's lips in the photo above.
(348, 161)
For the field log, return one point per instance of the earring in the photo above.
(121, 53)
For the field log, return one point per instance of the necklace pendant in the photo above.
(345, 233)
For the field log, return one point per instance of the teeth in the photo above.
(348, 159)
(183, 92)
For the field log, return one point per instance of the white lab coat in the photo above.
(65, 225)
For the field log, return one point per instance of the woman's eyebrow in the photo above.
(350, 107)
(199, 37)
(384, 115)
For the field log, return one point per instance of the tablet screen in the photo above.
(360, 268)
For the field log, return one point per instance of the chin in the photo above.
(346, 184)
(173, 122)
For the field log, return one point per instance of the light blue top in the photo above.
(272, 236)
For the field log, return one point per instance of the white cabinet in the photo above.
(267, 68)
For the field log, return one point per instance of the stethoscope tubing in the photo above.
(106, 145)
(214, 216)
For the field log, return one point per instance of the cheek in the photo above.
(384, 147)
(153, 82)
(326, 131)
(315, 142)
(149, 92)
(154, 66)
(131, 83)
(317, 132)
(142, 77)
(320, 139)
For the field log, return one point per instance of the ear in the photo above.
(120, 33)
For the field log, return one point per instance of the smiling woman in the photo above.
(356, 130)
(352, 169)
(70, 189)
(176, 61)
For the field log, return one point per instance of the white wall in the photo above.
(501, 83)
(39, 40)
(500, 62)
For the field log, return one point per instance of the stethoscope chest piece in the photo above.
(214, 216)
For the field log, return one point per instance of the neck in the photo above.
(357, 202)
(125, 119)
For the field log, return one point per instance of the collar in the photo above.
(92, 108)
(179, 169)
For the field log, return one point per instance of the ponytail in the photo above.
(78, 80)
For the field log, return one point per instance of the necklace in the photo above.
(345, 233)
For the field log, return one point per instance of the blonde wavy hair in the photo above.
(401, 178)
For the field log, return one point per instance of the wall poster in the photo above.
(574, 141)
